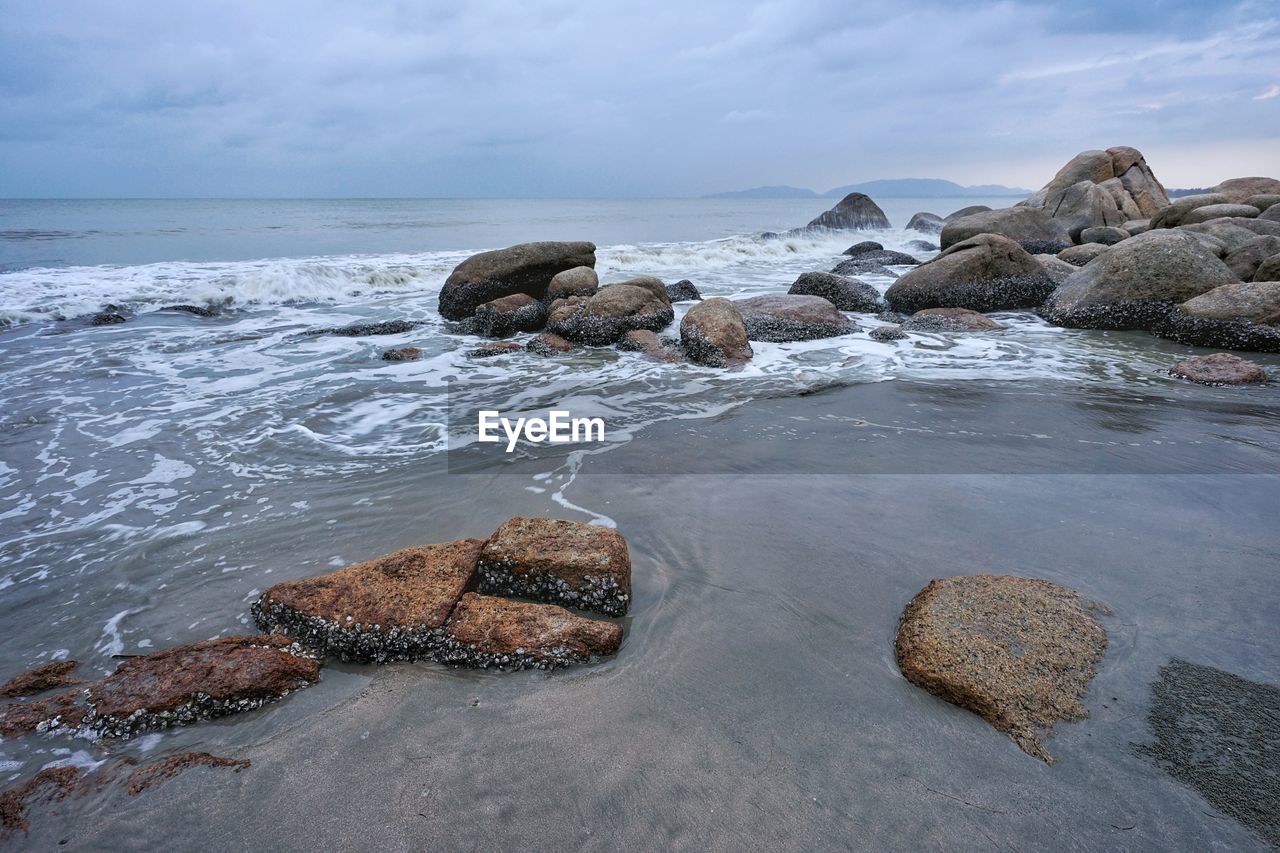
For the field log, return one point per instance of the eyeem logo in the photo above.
(561, 428)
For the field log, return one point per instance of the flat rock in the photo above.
(389, 608)
(526, 268)
(985, 273)
(1018, 652)
(495, 349)
(1220, 368)
(566, 562)
(713, 333)
(40, 678)
(792, 318)
(847, 294)
(950, 320)
(489, 631)
(360, 330)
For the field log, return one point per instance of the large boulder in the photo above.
(519, 312)
(854, 212)
(1135, 283)
(1107, 235)
(1101, 188)
(579, 281)
(1080, 255)
(965, 211)
(847, 294)
(485, 631)
(609, 314)
(1240, 189)
(1220, 368)
(1244, 261)
(526, 268)
(1234, 231)
(1172, 215)
(683, 291)
(926, 223)
(713, 333)
(1016, 223)
(1018, 652)
(1271, 214)
(1268, 270)
(1219, 211)
(792, 318)
(984, 273)
(1240, 316)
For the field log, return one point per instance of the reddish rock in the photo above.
(39, 679)
(1221, 368)
(653, 284)
(402, 354)
(507, 315)
(62, 710)
(49, 785)
(490, 631)
(714, 333)
(567, 562)
(547, 344)
(647, 342)
(526, 268)
(166, 768)
(389, 608)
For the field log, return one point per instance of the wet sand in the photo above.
(755, 702)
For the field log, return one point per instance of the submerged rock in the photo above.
(713, 333)
(150, 775)
(847, 294)
(611, 313)
(40, 678)
(494, 349)
(1018, 652)
(792, 318)
(984, 273)
(489, 631)
(360, 330)
(526, 268)
(683, 291)
(57, 712)
(647, 342)
(950, 320)
(108, 317)
(1220, 368)
(389, 608)
(50, 785)
(554, 560)
(402, 354)
(884, 334)
(198, 310)
(855, 211)
(922, 246)
(518, 312)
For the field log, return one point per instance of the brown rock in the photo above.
(984, 273)
(650, 283)
(166, 768)
(547, 344)
(52, 784)
(187, 683)
(950, 320)
(526, 268)
(714, 334)
(567, 562)
(579, 281)
(39, 679)
(402, 354)
(788, 317)
(388, 608)
(495, 348)
(614, 310)
(490, 631)
(1018, 652)
(1240, 189)
(56, 712)
(518, 312)
(1080, 255)
(1221, 368)
(647, 342)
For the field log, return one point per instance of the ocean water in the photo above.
(156, 475)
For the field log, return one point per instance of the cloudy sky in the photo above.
(408, 98)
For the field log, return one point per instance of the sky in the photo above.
(549, 98)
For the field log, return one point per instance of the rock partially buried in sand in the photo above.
(203, 680)
(526, 268)
(489, 631)
(1018, 652)
(1220, 368)
(385, 609)
(792, 318)
(40, 678)
(713, 333)
(563, 562)
(950, 320)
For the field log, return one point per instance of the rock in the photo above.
(1271, 214)
(1238, 189)
(187, 683)
(1221, 368)
(1080, 255)
(61, 710)
(1262, 201)
(360, 330)
(198, 310)
(1018, 652)
(1216, 246)
(1043, 247)
(494, 349)
(1242, 316)
(922, 246)
(984, 273)
(1016, 223)
(402, 354)
(647, 342)
(950, 320)
(926, 223)
(615, 310)
(1135, 283)
(488, 631)
(547, 344)
(1100, 188)
(150, 775)
(1084, 205)
(792, 318)
(862, 266)
(1219, 211)
(647, 282)
(713, 333)
(390, 608)
(1233, 233)
(1135, 226)
(50, 785)
(1057, 269)
(110, 317)
(892, 317)
(965, 211)
(39, 679)
(1171, 216)
(854, 212)
(563, 562)
(866, 247)
(683, 291)
(1107, 235)
(884, 334)
(847, 294)
(526, 268)
(579, 281)
(1268, 270)
(519, 312)
(1244, 261)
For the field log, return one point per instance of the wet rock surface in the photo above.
(40, 678)
(609, 314)
(52, 784)
(525, 268)
(885, 334)
(360, 330)
(548, 344)
(986, 273)
(855, 211)
(486, 630)
(508, 315)
(683, 291)
(1018, 652)
(495, 349)
(847, 294)
(1220, 368)
(648, 343)
(792, 318)
(950, 320)
(402, 354)
(554, 560)
(713, 333)
(157, 772)
(385, 609)
(56, 712)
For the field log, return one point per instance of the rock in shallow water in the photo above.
(847, 294)
(713, 333)
(683, 291)
(854, 211)
(518, 312)
(884, 334)
(950, 320)
(1220, 368)
(1018, 652)
(611, 313)
(402, 354)
(548, 344)
(984, 273)
(792, 318)
(525, 268)
(39, 679)
(486, 630)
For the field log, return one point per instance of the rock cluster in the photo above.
(526, 268)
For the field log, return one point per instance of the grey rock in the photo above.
(1244, 261)
(1239, 189)
(1080, 255)
(1136, 226)
(648, 343)
(985, 273)
(792, 318)
(884, 334)
(847, 294)
(548, 344)
(965, 211)
(500, 318)
(866, 247)
(1057, 269)
(950, 320)
(1043, 247)
(1219, 211)
(926, 223)
(579, 281)
(1171, 215)
(1107, 235)
(854, 212)
(609, 314)
(1268, 270)
(683, 291)
(1016, 223)
(922, 245)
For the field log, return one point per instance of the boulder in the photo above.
(875, 261)
(360, 330)
(489, 631)
(188, 683)
(390, 608)
(563, 562)
(1172, 215)
(1219, 211)
(1044, 247)
(1240, 189)
(40, 679)
(847, 294)
(648, 343)
(1271, 214)
(1234, 232)
(1240, 316)
(792, 318)
(1082, 206)
(1268, 270)
(1057, 269)
(926, 223)
(494, 349)
(922, 246)
(527, 268)
(519, 312)
(1263, 201)
(1016, 223)
(647, 282)
(862, 266)
(1018, 652)
(402, 354)
(1215, 245)
(609, 314)
(866, 247)
(579, 281)
(713, 333)
(1135, 226)
(885, 334)
(1080, 255)
(965, 211)
(1135, 283)
(1101, 188)
(983, 273)
(683, 291)
(547, 344)
(1244, 261)
(1107, 235)
(854, 212)
(950, 320)
(1221, 368)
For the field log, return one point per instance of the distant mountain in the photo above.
(924, 188)
(1186, 192)
(768, 192)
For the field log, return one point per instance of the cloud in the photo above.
(1273, 92)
